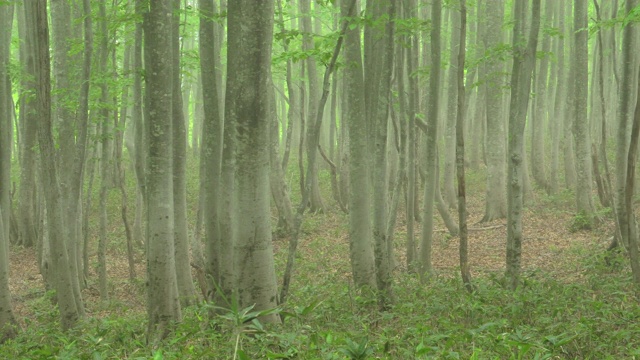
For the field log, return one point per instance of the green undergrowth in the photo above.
(593, 317)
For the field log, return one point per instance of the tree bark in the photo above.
(248, 86)
(462, 200)
(8, 324)
(431, 140)
(523, 64)
(584, 200)
(449, 172)
(378, 67)
(496, 201)
(211, 156)
(70, 310)
(315, 200)
(163, 304)
(186, 290)
(629, 41)
(360, 227)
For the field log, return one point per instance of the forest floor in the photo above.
(550, 247)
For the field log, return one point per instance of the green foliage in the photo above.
(581, 221)
(544, 319)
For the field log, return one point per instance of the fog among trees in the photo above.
(297, 179)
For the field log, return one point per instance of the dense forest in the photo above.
(328, 179)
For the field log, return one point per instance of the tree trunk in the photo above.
(27, 193)
(462, 200)
(412, 61)
(629, 42)
(211, 156)
(523, 64)
(432, 138)
(278, 186)
(584, 200)
(556, 127)
(163, 304)
(496, 201)
(8, 324)
(70, 310)
(315, 201)
(378, 60)
(186, 290)
(629, 192)
(248, 84)
(448, 186)
(540, 109)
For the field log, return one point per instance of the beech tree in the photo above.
(8, 324)
(163, 305)
(523, 64)
(69, 303)
(360, 230)
(248, 106)
(493, 79)
(433, 102)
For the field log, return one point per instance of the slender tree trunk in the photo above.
(449, 190)
(105, 156)
(523, 64)
(540, 109)
(496, 201)
(432, 138)
(315, 201)
(378, 60)
(558, 106)
(627, 85)
(70, 313)
(632, 157)
(186, 290)
(140, 138)
(584, 200)
(462, 200)
(278, 186)
(27, 193)
(412, 61)
(568, 145)
(8, 324)
(211, 157)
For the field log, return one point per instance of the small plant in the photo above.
(359, 350)
(581, 221)
(244, 322)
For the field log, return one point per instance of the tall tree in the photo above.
(581, 133)
(625, 220)
(523, 64)
(8, 322)
(632, 158)
(378, 67)
(462, 197)
(163, 305)
(540, 109)
(186, 289)
(27, 213)
(494, 79)
(211, 156)
(315, 201)
(430, 153)
(248, 85)
(71, 308)
(449, 190)
(558, 106)
(360, 232)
